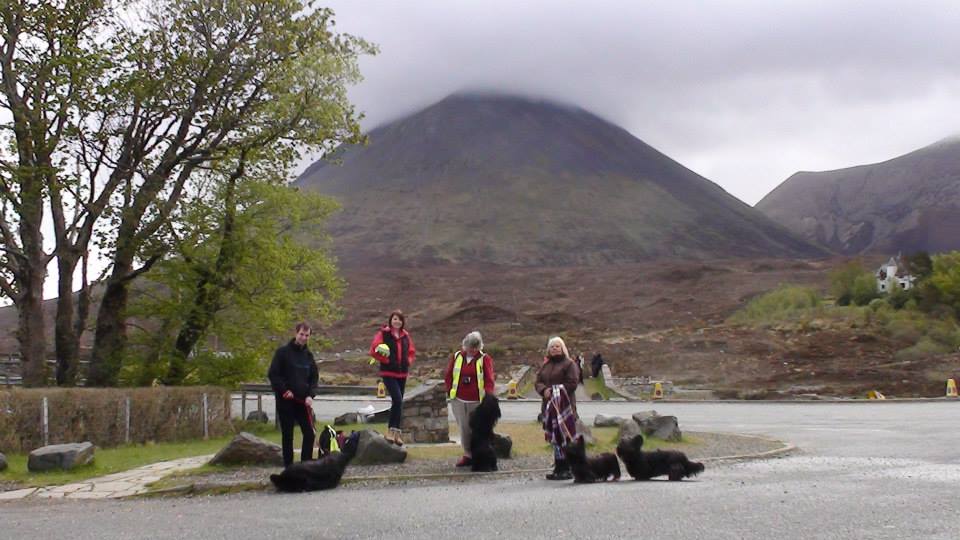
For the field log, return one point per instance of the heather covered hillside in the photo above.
(517, 181)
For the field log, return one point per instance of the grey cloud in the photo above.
(744, 93)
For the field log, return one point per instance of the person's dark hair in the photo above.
(398, 313)
(303, 325)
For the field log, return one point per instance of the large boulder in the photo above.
(60, 456)
(258, 416)
(584, 432)
(348, 418)
(373, 449)
(3, 462)
(607, 421)
(248, 449)
(502, 445)
(629, 429)
(642, 416)
(661, 427)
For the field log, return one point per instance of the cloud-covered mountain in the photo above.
(510, 180)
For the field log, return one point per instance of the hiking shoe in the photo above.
(465, 461)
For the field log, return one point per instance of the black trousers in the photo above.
(290, 414)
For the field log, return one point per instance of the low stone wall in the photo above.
(425, 414)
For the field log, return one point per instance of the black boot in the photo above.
(561, 470)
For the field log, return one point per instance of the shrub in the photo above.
(922, 349)
(785, 302)
(864, 289)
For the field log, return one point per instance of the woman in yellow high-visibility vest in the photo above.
(469, 376)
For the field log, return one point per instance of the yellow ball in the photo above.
(383, 349)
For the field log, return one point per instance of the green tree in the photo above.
(842, 280)
(243, 288)
(945, 279)
(203, 82)
(920, 265)
(53, 57)
(864, 289)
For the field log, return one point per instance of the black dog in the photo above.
(586, 470)
(323, 473)
(482, 421)
(645, 465)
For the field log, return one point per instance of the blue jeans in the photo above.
(395, 386)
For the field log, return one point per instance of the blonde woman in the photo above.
(557, 385)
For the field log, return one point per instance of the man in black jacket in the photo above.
(293, 376)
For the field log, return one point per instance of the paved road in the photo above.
(864, 470)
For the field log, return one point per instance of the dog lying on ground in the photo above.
(645, 465)
(482, 421)
(314, 475)
(586, 470)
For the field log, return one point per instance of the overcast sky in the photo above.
(744, 93)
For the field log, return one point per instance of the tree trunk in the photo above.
(110, 337)
(66, 338)
(210, 287)
(31, 336)
(32, 327)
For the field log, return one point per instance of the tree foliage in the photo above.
(208, 84)
(945, 279)
(273, 279)
(843, 278)
(109, 110)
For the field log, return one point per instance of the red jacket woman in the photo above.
(393, 348)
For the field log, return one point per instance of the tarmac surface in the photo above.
(863, 470)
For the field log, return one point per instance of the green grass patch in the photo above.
(596, 384)
(111, 460)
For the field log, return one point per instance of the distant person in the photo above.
(293, 376)
(596, 364)
(580, 366)
(557, 384)
(468, 377)
(392, 346)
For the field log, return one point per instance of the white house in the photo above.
(893, 274)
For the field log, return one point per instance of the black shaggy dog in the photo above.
(482, 421)
(645, 465)
(323, 473)
(586, 470)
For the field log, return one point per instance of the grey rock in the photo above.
(640, 417)
(3, 462)
(662, 427)
(502, 445)
(348, 418)
(596, 396)
(60, 456)
(373, 449)
(629, 429)
(248, 449)
(607, 421)
(258, 416)
(585, 432)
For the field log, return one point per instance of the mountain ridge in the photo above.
(517, 180)
(907, 203)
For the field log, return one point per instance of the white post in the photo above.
(45, 424)
(127, 422)
(206, 433)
